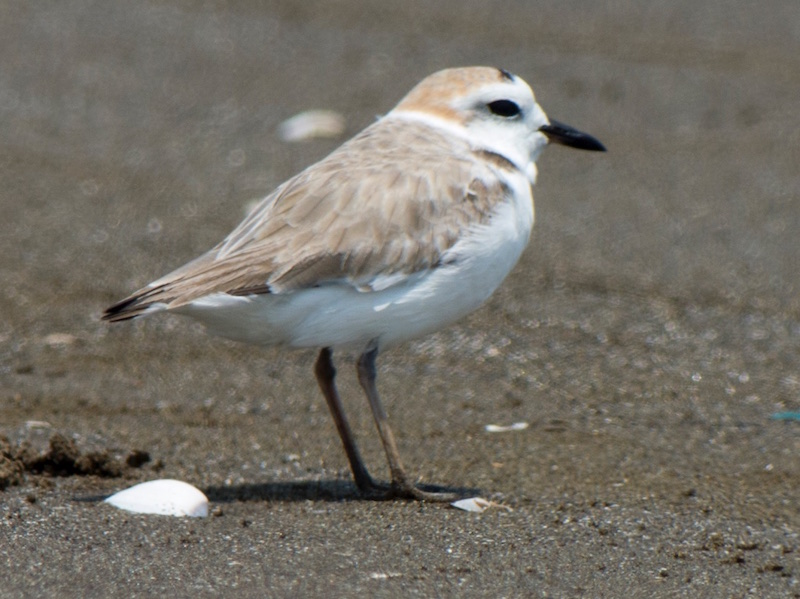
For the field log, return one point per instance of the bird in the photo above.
(402, 230)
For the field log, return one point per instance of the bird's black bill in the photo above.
(568, 136)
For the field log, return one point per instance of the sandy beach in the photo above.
(649, 337)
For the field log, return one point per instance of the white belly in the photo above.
(341, 316)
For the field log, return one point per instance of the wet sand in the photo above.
(648, 336)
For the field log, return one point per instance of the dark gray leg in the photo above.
(326, 373)
(401, 484)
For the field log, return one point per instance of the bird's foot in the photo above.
(402, 488)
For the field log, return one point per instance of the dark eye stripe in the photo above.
(504, 108)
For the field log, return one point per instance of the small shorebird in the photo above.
(401, 231)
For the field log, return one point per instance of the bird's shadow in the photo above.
(334, 490)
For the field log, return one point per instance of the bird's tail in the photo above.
(144, 301)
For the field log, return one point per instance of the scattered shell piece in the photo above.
(59, 339)
(311, 124)
(477, 505)
(384, 575)
(165, 496)
(496, 428)
(37, 424)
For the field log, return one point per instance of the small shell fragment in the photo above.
(59, 339)
(496, 428)
(165, 496)
(477, 505)
(311, 124)
(384, 575)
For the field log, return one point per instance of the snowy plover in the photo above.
(404, 229)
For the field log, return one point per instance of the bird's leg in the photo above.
(326, 373)
(401, 484)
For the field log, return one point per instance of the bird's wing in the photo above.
(386, 204)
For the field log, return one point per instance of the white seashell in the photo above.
(477, 505)
(310, 124)
(473, 504)
(496, 428)
(166, 497)
(384, 575)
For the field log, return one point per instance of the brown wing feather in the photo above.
(354, 216)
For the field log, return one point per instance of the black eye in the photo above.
(504, 108)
